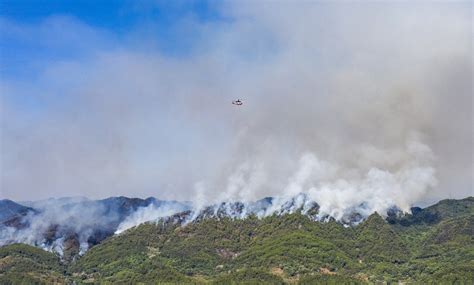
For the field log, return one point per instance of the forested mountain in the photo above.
(434, 244)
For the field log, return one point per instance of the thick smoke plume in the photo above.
(54, 222)
(357, 105)
(76, 224)
(151, 213)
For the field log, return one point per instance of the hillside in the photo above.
(278, 249)
(11, 211)
(69, 226)
(24, 264)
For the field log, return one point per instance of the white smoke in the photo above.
(49, 227)
(352, 119)
(150, 213)
(376, 190)
(81, 222)
(355, 110)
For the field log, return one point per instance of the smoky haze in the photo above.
(351, 103)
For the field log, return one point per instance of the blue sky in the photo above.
(36, 34)
(116, 15)
(104, 24)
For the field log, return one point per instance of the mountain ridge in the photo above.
(291, 248)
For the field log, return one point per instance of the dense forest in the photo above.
(429, 246)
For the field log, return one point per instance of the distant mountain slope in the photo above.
(69, 226)
(53, 202)
(10, 210)
(442, 210)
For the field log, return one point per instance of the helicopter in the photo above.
(237, 102)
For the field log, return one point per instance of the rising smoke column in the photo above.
(359, 105)
(350, 112)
